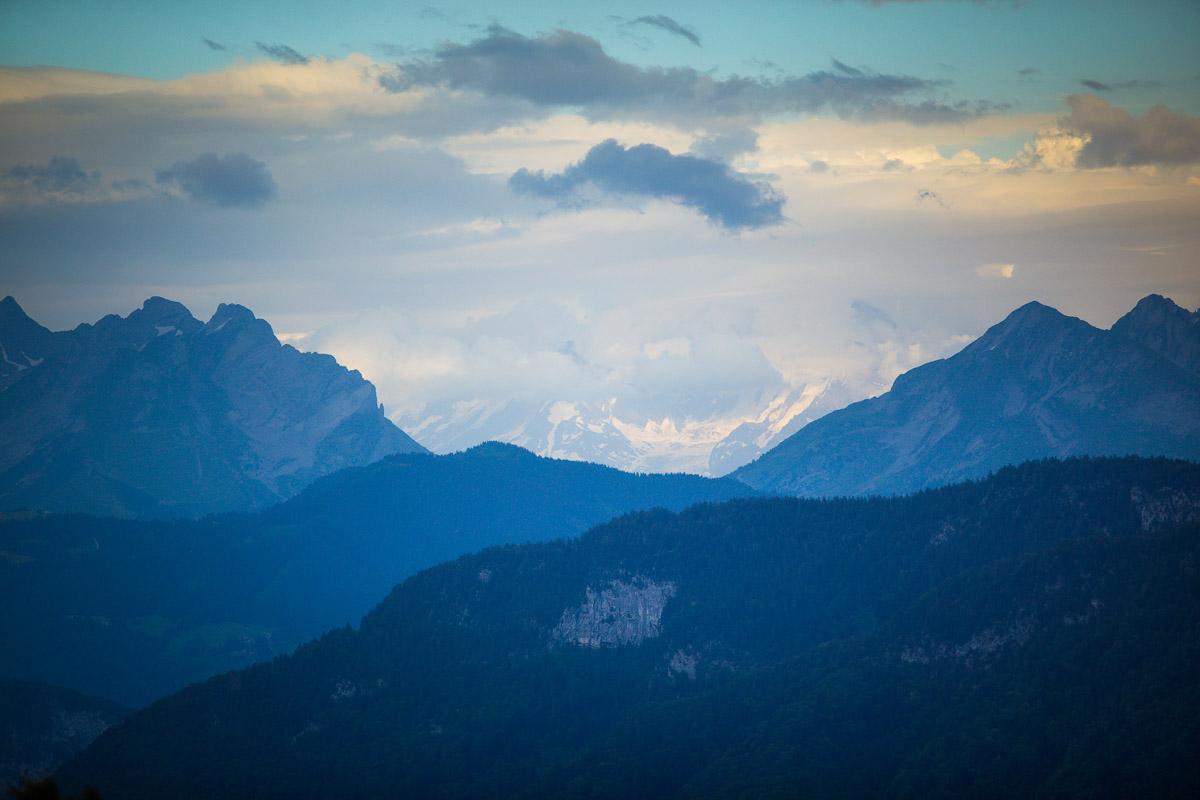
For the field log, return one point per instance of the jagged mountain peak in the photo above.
(234, 317)
(1033, 318)
(157, 306)
(1153, 305)
(13, 317)
(166, 316)
(1034, 328)
(1170, 330)
(9, 307)
(230, 421)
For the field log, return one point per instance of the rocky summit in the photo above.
(159, 414)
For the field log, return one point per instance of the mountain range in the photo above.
(151, 605)
(1036, 385)
(159, 414)
(597, 432)
(1030, 634)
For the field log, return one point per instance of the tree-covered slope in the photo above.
(1032, 633)
(1038, 384)
(41, 726)
(155, 605)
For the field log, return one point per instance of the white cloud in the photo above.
(1002, 271)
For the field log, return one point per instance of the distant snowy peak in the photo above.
(582, 431)
(787, 413)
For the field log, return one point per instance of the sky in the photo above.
(666, 216)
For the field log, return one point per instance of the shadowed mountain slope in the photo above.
(153, 605)
(1030, 634)
(1036, 385)
(158, 414)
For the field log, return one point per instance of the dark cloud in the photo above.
(563, 68)
(669, 25)
(59, 175)
(1097, 86)
(231, 181)
(931, 195)
(1029, 72)
(212, 45)
(282, 53)
(818, 166)
(1117, 138)
(726, 197)
(893, 165)
(865, 312)
(846, 69)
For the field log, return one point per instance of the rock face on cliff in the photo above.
(159, 414)
(1037, 384)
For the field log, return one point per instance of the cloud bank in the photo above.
(564, 68)
(1117, 138)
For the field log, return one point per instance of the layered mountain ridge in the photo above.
(156, 604)
(159, 414)
(1031, 634)
(1038, 384)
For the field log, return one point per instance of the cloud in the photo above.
(893, 165)
(846, 69)
(726, 146)
(931, 195)
(231, 181)
(669, 25)
(818, 166)
(1114, 137)
(282, 53)
(725, 197)
(1029, 72)
(212, 45)
(60, 175)
(867, 313)
(564, 68)
(1098, 86)
(996, 271)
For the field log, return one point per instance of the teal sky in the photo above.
(979, 46)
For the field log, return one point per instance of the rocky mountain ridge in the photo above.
(1038, 384)
(159, 414)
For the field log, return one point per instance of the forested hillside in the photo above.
(1034, 633)
(156, 605)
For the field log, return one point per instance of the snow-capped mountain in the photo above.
(583, 431)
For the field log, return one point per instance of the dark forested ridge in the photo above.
(155, 605)
(160, 415)
(1038, 384)
(42, 725)
(1034, 633)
